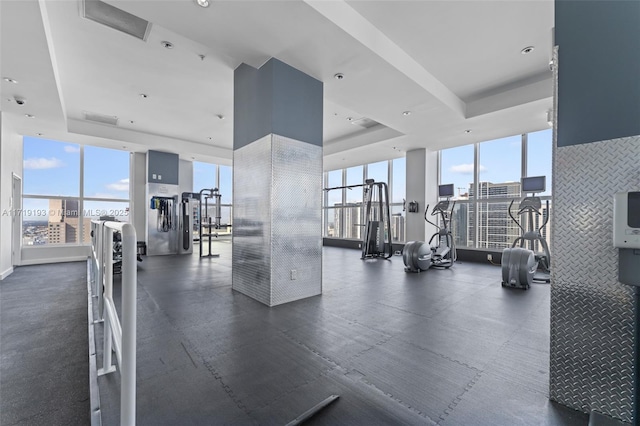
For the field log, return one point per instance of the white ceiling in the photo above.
(455, 65)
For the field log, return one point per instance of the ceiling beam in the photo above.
(354, 24)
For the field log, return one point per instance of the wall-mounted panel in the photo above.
(162, 167)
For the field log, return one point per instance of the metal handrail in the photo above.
(118, 337)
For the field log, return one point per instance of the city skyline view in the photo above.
(52, 172)
(52, 169)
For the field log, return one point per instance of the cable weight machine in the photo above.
(207, 222)
(376, 238)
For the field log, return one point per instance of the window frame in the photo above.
(80, 198)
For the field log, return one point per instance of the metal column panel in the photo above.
(277, 236)
(296, 220)
(591, 312)
(252, 220)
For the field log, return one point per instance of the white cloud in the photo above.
(71, 149)
(465, 169)
(121, 185)
(42, 163)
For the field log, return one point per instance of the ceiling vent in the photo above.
(100, 118)
(115, 18)
(367, 123)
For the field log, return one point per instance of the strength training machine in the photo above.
(207, 222)
(419, 255)
(521, 265)
(376, 238)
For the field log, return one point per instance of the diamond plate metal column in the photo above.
(591, 312)
(277, 184)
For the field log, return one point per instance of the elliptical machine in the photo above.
(521, 265)
(419, 255)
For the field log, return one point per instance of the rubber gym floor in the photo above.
(446, 347)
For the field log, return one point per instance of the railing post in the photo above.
(107, 366)
(117, 335)
(129, 301)
(106, 247)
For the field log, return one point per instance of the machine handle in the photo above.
(426, 211)
(546, 219)
(513, 218)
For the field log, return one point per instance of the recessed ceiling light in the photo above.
(527, 50)
(143, 95)
(349, 118)
(468, 131)
(166, 44)
(38, 134)
(210, 138)
(338, 76)
(203, 3)
(10, 80)
(30, 116)
(406, 113)
(131, 121)
(220, 116)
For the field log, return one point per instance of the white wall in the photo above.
(422, 186)
(54, 254)
(138, 203)
(185, 176)
(10, 162)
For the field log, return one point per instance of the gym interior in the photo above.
(320, 212)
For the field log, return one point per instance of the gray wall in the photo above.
(164, 165)
(599, 70)
(279, 99)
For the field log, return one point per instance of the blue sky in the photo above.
(53, 168)
(204, 176)
(377, 171)
(499, 161)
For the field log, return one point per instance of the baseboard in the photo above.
(53, 260)
(6, 273)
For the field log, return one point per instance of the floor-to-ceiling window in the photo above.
(65, 185)
(210, 176)
(343, 210)
(486, 177)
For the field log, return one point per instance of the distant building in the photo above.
(64, 222)
(496, 229)
(397, 227)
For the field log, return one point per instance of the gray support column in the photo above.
(277, 183)
(422, 186)
(597, 153)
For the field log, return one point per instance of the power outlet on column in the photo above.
(294, 274)
(489, 257)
